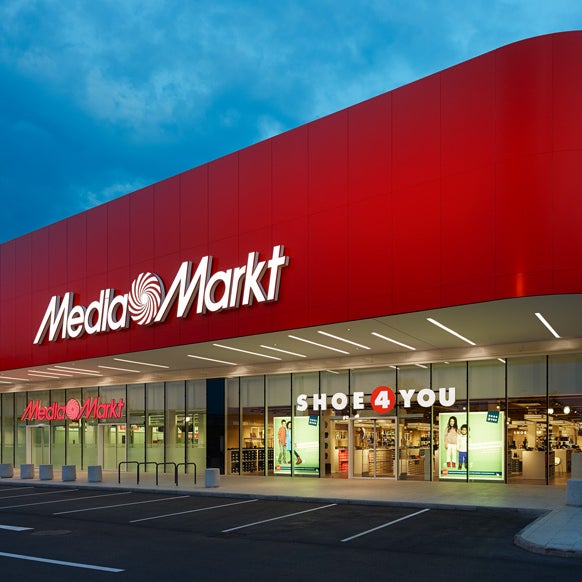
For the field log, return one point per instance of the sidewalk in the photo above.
(557, 530)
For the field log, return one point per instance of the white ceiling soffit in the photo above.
(498, 329)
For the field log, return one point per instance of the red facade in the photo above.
(460, 188)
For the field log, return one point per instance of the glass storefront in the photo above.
(514, 420)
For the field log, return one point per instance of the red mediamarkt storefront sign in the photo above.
(73, 410)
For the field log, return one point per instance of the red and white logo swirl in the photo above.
(145, 298)
(73, 409)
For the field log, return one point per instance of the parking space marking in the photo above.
(15, 489)
(193, 510)
(279, 517)
(121, 504)
(64, 500)
(15, 528)
(60, 562)
(40, 493)
(384, 525)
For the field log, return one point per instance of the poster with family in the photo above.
(471, 443)
(296, 445)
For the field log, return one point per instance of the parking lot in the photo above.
(53, 532)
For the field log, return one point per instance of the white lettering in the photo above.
(339, 401)
(426, 397)
(358, 401)
(301, 402)
(444, 400)
(407, 397)
(319, 402)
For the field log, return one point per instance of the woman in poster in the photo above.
(451, 437)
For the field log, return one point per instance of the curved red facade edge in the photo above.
(462, 187)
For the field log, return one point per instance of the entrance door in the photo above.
(374, 447)
(112, 445)
(38, 444)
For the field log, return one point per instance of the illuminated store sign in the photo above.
(73, 410)
(382, 399)
(148, 302)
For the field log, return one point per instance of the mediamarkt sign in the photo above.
(73, 410)
(147, 302)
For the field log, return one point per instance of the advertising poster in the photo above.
(471, 442)
(297, 445)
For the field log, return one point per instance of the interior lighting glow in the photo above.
(246, 352)
(213, 360)
(18, 379)
(566, 409)
(318, 345)
(342, 339)
(392, 340)
(284, 351)
(140, 363)
(548, 326)
(47, 374)
(451, 331)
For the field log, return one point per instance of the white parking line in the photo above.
(31, 494)
(193, 510)
(11, 489)
(64, 500)
(276, 518)
(15, 528)
(60, 562)
(384, 525)
(121, 504)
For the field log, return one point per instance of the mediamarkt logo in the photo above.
(73, 410)
(148, 303)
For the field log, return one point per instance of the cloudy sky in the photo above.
(99, 98)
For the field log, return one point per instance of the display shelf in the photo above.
(253, 461)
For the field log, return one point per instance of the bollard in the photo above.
(6, 470)
(45, 472)
(212, 478)
(69, 472)
(27, 471)
(94, 474)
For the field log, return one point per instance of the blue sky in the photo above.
(100, 98)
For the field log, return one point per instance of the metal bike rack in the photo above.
(185, 465)
(164, 465)
(127, 463)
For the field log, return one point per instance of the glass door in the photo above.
(113, 446)
(373, 448)
(38, 444)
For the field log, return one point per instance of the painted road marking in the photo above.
(64, 500)
(276, 518)
(384, 525)
(31, 494)
(15, 528)
(60, 562)
(121, 504)
(193, 510)
(16, 489)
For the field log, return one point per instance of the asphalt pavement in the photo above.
(557, 530)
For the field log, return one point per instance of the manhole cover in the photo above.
(52, 532)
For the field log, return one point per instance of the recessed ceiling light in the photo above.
(389, 339)
(548, 326)
(18, 379)
(212, 360)
(46, 374)
(342, 339)
(246, 352)
(451, 331)
(140, 363)
(318, 345)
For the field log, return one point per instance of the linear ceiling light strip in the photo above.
(342, 339)
(246, 352)
(388, 339)
(451, 331)
(284, 351)
(318, 345)
(212, 360)
(548, 326)
(140, 363)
